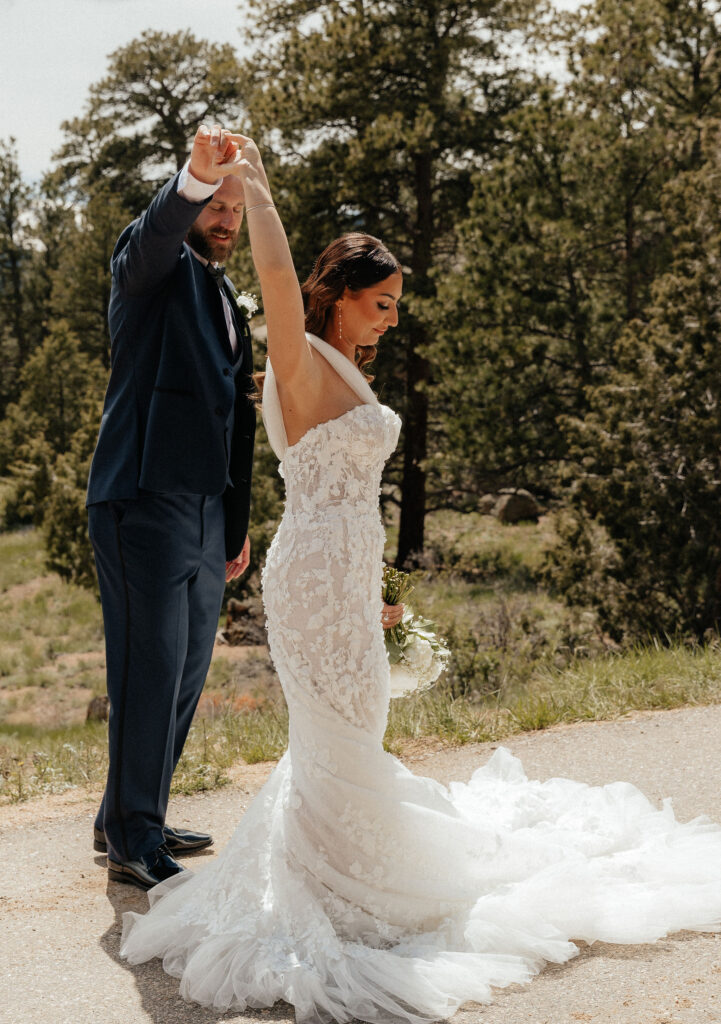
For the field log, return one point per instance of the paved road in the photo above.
(60, 919)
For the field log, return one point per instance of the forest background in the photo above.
(561, 315)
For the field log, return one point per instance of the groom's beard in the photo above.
(214, 244)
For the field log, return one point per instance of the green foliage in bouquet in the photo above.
(396, 588)
(414, 642)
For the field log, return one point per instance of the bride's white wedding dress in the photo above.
(353, 888)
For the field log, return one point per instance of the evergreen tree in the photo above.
(565, 239)
(644, 543)
(65, 520)
(81, 278)
(59, 388)
(14, 255)
(379, 112)
(140, 117)
(51, 226)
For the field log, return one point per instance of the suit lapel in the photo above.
(215, 311)
(244, 357)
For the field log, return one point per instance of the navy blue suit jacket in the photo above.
(177, 416)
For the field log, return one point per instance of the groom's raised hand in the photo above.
(213, 155)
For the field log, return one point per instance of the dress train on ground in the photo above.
(355, 889)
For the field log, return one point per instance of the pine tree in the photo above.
(80, 281)
(15, 254)
(648, 491)
(564, 241)
(59, 388)
(378, 112)
(139, 119)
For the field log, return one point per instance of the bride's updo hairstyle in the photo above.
(354, 261)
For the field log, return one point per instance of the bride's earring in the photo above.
(340, 324)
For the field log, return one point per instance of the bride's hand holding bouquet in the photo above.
(416, 652)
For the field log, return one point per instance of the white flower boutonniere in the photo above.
(246, 303)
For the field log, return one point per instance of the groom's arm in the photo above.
(149, 248)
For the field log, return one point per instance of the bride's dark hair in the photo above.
(354, 261)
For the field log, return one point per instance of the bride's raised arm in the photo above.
(282, 301)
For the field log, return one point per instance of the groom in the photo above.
(169, 492)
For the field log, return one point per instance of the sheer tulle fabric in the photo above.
(353, 888)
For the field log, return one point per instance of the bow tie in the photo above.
(217, 273)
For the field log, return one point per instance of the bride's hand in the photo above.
(246, 163)
(391, 615)
(248, 154)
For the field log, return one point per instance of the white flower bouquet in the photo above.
(417, 654)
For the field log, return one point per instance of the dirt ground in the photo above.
(61, 918)
(65, 701)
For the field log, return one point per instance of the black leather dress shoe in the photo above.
(178, 840)
(147, 871)
(182, 840)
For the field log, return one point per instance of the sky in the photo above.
(51, 51)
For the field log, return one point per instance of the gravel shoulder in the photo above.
(61, 918)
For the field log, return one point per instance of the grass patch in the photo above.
(500, 639)
(34, 762)
(520, 661)
(647, 678)
(51, 637)
(21, 558)
(480, 548)
(218, 742)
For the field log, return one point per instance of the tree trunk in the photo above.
(415, 444)
(18, 320)
(630, 243)
(413, 487)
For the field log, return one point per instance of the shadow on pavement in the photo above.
(158, 991)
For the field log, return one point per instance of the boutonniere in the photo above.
(246, 303)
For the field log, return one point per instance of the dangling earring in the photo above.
(340, 323)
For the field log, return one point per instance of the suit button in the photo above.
(219, 411)
(227, 372)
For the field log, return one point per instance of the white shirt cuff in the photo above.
(193, 190)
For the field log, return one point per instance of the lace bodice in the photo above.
(322, 578)
(336, 466)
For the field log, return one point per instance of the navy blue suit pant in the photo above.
(160, 560)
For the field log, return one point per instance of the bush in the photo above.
(65, 522)
(30, 478)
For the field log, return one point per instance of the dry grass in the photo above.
(51, 640)
(598, 689)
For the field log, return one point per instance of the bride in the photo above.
(352, 888)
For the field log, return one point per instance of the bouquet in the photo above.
(417, 654)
